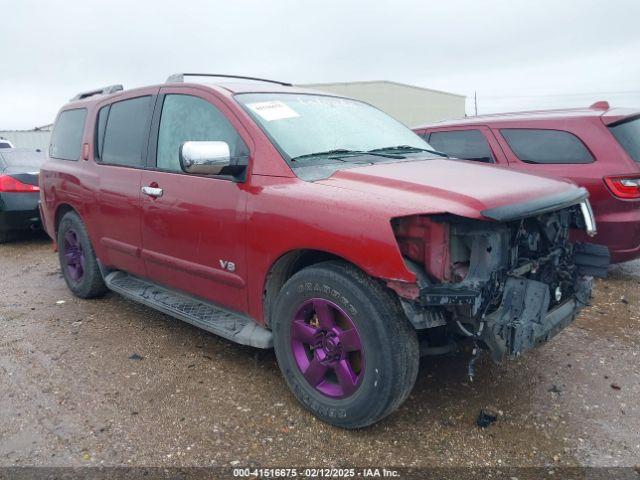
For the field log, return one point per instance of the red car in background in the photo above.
(596, 147)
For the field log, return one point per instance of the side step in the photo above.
(231, 326)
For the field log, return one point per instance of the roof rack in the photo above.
(98, 91)
(179, 78)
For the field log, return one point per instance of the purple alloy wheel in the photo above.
(73, 255)
(326, 346)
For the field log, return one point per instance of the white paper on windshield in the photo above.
(273, 110)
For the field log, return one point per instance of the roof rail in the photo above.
(179, 78)
(98, 91)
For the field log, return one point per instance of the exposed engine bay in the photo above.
(508, 285)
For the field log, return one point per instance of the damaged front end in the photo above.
(509, 284)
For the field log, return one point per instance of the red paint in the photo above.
(617, 215)
(179, 238)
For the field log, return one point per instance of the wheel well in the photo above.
(284, 268)
(61, 211)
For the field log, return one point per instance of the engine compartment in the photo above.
(510, 285)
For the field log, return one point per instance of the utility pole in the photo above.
(475, 101)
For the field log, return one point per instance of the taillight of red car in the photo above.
(624, 186)
(10, 184)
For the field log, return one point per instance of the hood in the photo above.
(459, 187)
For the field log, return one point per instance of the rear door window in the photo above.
(66, 139)
(464, 144)
(126, 132)
(546, 146)
(628, 135)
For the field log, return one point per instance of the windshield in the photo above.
(628, 135)
(338, 129)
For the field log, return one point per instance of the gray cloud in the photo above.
(516, 54)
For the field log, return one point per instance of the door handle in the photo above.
(154, 192)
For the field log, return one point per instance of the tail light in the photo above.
(624, 186)
(10, 184)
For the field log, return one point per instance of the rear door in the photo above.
(193, 233)
(121, 139)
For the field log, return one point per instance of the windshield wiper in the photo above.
(340, 153)
(335, 151)
(408, 148)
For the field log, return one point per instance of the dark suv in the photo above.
(596, 147)
(281, 217)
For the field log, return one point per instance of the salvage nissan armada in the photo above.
(280, 217)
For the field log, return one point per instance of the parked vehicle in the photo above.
(4, 143)
(19, 190)
(596, 147)
(278, 216)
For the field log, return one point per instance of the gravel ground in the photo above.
(109, 382)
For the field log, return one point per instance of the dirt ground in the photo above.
(109, 382)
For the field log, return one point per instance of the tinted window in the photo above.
(187, 118)
(5, 145)
(628, 135)
(100, 127)
(126, 131)
(465, 144)
(26, 160)
(546, 146)
(66, 139)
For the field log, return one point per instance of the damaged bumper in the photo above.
(524, 319)
(520, 282)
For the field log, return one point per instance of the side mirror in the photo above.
(204, 158)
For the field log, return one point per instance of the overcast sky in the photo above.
(515, 54)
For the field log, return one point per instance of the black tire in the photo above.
(90, 284)
(389, 343)
(4, 237)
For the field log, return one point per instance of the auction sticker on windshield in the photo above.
(273, 110)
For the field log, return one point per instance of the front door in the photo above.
(193, 227)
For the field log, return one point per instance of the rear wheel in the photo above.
(343, 344)
(77, 258)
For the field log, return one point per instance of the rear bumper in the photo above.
(622, 236)
(19, 211)
(620, 231)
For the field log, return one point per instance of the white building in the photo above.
(410, 104)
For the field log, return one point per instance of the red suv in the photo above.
(597, 148)
(281, 217)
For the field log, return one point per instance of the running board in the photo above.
(231, 326)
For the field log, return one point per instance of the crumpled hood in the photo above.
(451, 186)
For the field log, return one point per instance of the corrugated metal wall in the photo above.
(28, 138)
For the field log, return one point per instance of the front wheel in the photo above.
(343, 344)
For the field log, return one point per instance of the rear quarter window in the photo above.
(627, 134)
(546, 146)
(66, 139)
